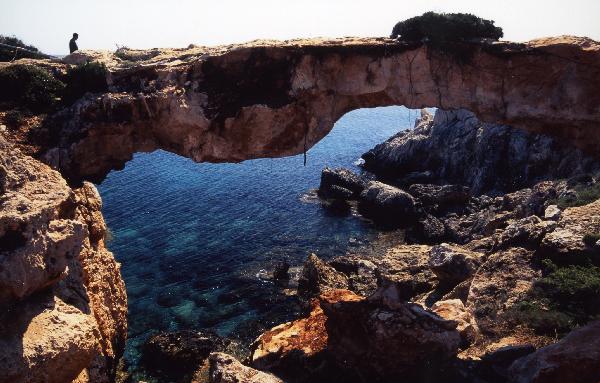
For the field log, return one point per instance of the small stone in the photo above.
(552, 212)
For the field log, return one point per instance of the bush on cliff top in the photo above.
(446, 27)
(30, 87)
(89, 77)
(7, 54)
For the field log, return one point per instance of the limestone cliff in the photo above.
(62, 300)
(272, 99)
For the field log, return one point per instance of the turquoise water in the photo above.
(193, 238)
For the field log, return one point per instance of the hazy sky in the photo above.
(101, 24)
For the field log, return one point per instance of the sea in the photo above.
(198, 241)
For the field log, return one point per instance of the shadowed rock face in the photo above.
(272, 99)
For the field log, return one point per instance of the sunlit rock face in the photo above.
(272, 99)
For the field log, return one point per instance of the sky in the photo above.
(104, 24)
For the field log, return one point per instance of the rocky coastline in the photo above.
(498, 280)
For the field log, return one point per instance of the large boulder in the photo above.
(386, 337)
(340, 183)
(453, 264)
(225, 368)
(575, 359)
(455, 310)
(387, 204)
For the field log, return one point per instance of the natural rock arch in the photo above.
(272, 99)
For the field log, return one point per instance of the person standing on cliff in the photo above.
(72, 43)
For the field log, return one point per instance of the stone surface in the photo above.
(317, 277)
(453, 264)
(387, 204)
(63, 302)
(270, 98)
(295, 348)
(386, 337)
(502, 281)
(176, 354)
(340, 183)
(225, 368)
(441, 195)
(456, 148)
(552, 212)
(455, 310)
(576, 358)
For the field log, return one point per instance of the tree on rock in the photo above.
(446, 27)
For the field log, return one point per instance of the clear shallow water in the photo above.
(193, 237)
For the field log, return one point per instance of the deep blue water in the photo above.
(192, 238)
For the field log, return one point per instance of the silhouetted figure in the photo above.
(72, 44)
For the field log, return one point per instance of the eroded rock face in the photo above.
(457, 148)
(271, 99)
(63, 303)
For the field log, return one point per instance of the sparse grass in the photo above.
(565, 298)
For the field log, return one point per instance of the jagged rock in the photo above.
(495, 364)
(361, 273)
(502, 281)
(443, 195)
(317, 277)
(552, 212)
(453, 264)
(384, 336)
(296, 348)
(427, 229)
(225, 368)
(460, 291)
(576, 359)
(455, 310)
(67, 316)
(407, 268)
(526, 232)
(459, 149)
(340, 183)
(387, 204)
(176, 354)
(565, 243)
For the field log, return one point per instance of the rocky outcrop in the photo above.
(384, 337)
(318, 277)
(225, 368)
(271, 98)
(388, 205)
(576, 358)
(62, 297)
(455, 147)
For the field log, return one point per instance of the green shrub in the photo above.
(90, 77)
(7, 54)
(30, 87)
(562, 300)
(446, 27)
(584, 194)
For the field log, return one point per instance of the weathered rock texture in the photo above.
(455, 147)
(62, 300)
(271, 99)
